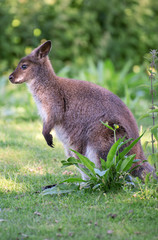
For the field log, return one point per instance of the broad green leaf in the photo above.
(106, 176)
(154, 110)
(72, 180)
(152, 158)
(86, 171)
(144, 116)
(127, 149)
(112, 153)
(127, 163)
(121, 144)
(57, 190)
(96, 186)
(136, 160)
(135, 167)
(100, 173)
(154, 131)
(73, 160)
(148, 114)
(126, 141)
(76, 162)
(67, 164)
(86, 162)
(103, 163)
(107, 125)
(118, 166)
(70, 162)
(60, 189)
(112, 172)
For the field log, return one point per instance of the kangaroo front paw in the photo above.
(49, 140)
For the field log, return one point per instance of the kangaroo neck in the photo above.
(43, 86)
(45, 83)
(47, 94)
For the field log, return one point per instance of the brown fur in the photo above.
(75, 108)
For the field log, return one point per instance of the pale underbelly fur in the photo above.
(65, 139)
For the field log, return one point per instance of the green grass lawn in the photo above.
(27, 164)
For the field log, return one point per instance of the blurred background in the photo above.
(105, 42)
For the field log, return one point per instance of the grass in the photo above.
(27, 164)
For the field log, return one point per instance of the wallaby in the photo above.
(75, 109)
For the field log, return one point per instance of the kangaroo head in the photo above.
(30, 66)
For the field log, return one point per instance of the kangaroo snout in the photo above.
(11, 78)
(15, 79)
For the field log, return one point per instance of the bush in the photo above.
(78, 28)
(114, 172)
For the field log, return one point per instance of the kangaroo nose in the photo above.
(11, 77)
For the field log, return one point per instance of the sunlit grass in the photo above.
(11, 185)
(27, 164)
(24, 155)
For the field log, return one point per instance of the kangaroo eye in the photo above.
(24, 66)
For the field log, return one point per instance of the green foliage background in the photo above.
(119, 30)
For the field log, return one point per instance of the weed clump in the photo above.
(114, 172)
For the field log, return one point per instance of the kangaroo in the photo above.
(75, 109)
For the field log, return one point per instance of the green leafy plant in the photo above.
(106, 39)
(153, 109)
(114, 172)
(147, 190)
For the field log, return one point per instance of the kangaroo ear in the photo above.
(43, 50)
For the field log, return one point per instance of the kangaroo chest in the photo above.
(62, 135)
(41, 110)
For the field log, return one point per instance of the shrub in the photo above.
(78, 29)
(153, 109)
(114, 172)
